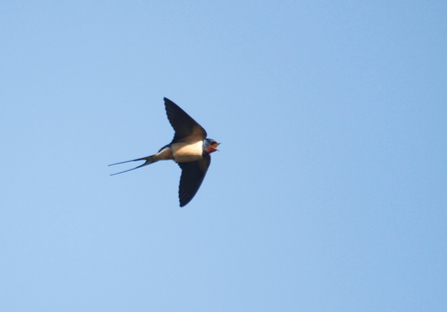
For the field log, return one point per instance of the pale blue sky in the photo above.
(329, 192)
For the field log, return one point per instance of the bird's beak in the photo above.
(214, 146)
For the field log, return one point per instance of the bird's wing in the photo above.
(186, 129)
(192, 177)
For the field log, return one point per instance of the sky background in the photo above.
(329, 192)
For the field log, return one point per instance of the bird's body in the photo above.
(185, 152)
(190, 148)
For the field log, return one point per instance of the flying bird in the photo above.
(190, 149)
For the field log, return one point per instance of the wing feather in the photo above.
(192, 177)
(186, 129)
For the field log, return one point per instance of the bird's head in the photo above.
(210, 146)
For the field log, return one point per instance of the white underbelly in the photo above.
(185, 152)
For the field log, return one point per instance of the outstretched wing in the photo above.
(186, 129)
(193, 174)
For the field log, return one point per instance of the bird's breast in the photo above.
(185, 152)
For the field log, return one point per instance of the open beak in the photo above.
(214, 146)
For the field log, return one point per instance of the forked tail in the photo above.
(148, 160)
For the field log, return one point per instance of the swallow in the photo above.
(190, 149)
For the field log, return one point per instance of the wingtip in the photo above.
(183, 202)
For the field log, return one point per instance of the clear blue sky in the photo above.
(329, 192)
